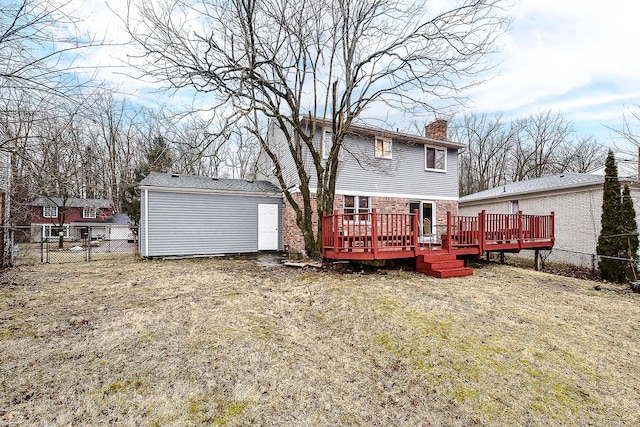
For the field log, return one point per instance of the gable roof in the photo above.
(72, 202)
(192, 182)
(548, 183)
(373, 131)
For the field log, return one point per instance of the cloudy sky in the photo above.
(574, 57)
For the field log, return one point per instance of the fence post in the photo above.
(89, 244)
(593, 265)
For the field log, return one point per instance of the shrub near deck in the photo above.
(233, 342)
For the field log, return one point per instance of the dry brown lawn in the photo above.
(235, 342)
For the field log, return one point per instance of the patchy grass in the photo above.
(233, 342)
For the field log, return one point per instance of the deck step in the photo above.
(437, 257)
(439, 265)
(442, 265)
(458, 272)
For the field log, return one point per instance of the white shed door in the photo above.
(267, 227)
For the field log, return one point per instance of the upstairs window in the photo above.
(435, 158)
(89, 212)
(50, 212)
(383, 148)
(327, 142)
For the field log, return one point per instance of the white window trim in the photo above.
(384, 142)
(44, 210)
(326, 145)
(47, 231)
(444, 150)
(356, 203)
(89, 210)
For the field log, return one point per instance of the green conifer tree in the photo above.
(629, 229)
(610, 233)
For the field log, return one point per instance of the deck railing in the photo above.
(375, 235)
(370, 232)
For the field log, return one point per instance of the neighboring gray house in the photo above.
(576, 200)
(184, 215)
(391, 171)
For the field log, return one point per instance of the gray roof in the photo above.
(72, 202)
(176, 181)
(119, 219)
(547, 183)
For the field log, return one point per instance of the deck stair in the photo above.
(441, 265)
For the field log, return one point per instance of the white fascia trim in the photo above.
(207, 191)
(146, 222)
(393, 195)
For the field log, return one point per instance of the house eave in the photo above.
(371, 131)
(191, 190)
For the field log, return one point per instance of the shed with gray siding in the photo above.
(185, 215)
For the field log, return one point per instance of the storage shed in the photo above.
(185, 215)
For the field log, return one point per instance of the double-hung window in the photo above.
(50, 212)
(327, 143)
(435, 158)
(89, 212)
(383, 148)
(357, 205)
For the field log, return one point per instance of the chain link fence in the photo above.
(50, 244)
(579, 264)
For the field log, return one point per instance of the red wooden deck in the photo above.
(375, 235)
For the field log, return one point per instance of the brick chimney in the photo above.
(436, 130)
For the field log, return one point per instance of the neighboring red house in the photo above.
(74, 217)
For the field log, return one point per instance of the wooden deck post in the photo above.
(519, 236)
(482, 230)
(335, 231)
(449, 235)
(553, 227)
(415, 232)
(374, 233)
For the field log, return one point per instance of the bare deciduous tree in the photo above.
(484, 163)
(287, 60)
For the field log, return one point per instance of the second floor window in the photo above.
(383, 148)
(435, 158)
(327, 142)
(89, 212)
(50, 212)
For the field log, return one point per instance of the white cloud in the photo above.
(570, 56)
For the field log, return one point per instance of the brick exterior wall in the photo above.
(292, 235)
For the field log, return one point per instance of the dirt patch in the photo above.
(249, 342)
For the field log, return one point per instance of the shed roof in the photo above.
(72, 202)
(192, 182)
(548, 183)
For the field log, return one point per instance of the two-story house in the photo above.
(391, 171)
(51, 216)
